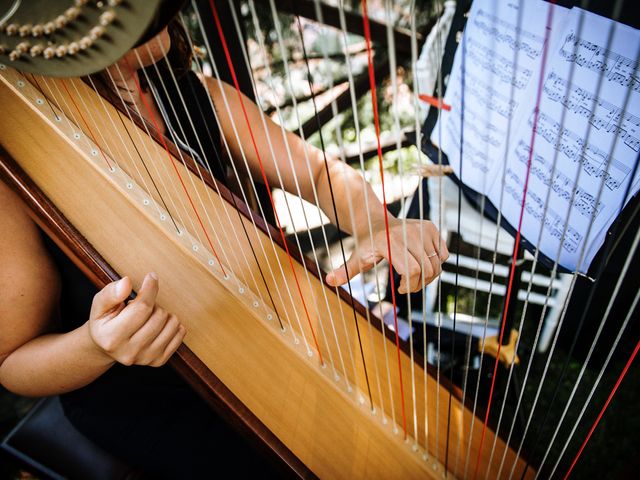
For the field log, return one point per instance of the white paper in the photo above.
(583, 124)
(588, 121)
(498, 59)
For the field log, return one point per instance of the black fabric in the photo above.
(149, 417)
(205, 132)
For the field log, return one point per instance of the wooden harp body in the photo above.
(322, 414)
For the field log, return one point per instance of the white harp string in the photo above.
(206, 164)
(283, 53)
(354, 108)
(238, 178)
(252, 183)
(337, 118)
(393, 70)
(316, 304)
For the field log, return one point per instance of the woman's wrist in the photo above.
(91, 349)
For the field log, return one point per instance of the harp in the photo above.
(306, 369)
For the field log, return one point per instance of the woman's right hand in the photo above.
(134, 333)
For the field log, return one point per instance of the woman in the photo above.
(98, 355)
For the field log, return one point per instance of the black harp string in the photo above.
(207, 166)
(356, 121)
(254, 190)
(175, 136)
(284, 55)
(222, 166)
(319, 18)
(335, 210)
(296, 235)
(141, 158)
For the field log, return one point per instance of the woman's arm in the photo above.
(36, 361)
(415, 261)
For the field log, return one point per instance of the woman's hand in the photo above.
(137, 333)
(418, 262)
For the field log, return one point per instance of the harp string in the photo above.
(468, 342)
(335, 210)
(463, 46)
(545, 49)
(255, 192)
(35, 81)
(578, 380)
(316, 304)
(596, 383)
(91, 135)
(356, 121)
(205, 161)
(599, 271)
(374, 101)
(285, 138)
(396, 133)
(418, 130)
(581, 257)
(338, 116)
(264, 176)
(148, 152)
(218, 157)
(133, 158)
(604, 408)
(173, 164)
(181, 158)
(531, 277)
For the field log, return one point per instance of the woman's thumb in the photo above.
(110, 297)
(344, 273)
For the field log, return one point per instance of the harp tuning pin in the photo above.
(96, 32)
(3, 49)
(25, 30)
(37, 30)
(49, 28)
(11, 29)
(73, 48)
(107, 17)
(14, 55)
(80, 3)
(36, 50)
(49, 52)
(61, 51)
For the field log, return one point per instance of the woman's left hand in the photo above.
(418, 261)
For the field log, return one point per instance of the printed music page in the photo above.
(586, 144)
(498, 60)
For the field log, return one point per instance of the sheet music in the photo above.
(586, 127)
(498, 59)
